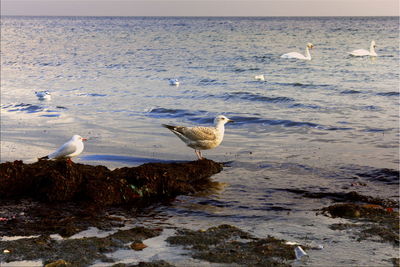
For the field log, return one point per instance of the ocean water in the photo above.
(311, 125)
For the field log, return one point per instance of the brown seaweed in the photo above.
(58, 181)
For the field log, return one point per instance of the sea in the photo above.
(310, 125)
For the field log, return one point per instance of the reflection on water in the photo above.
(124, 159)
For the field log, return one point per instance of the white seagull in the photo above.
(259, 77)
(174, 82)
(70, 149)
(43, 95)
(297, 55)
(201, 138)
(363, 52)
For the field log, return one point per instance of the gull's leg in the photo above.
(198, 154)
(201, 155)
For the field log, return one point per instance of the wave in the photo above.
(256, 97)
(203, 117)
(379, 175)
(239, 120)
(389, 94)
(211, 82)
(31, 108)
(93, 94)
(172, 113)
(28, 108)
(350, 92)
(299, 105)
(304, 85)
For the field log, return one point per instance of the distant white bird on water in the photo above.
(70, 149)
(259, 77)
(364, 52)
(297, 55)
(43, 95)
(174, 82)
(201, 138)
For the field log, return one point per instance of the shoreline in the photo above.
(51, 229)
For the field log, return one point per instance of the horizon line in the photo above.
(202, 16)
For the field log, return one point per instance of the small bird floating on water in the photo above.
(70, 149)
(259, 77)
(174, 82)
(364, 52)
(201, 138)
(43, 95)
(297, 55)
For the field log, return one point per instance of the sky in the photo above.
(201, 7)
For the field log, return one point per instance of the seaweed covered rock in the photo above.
(230, 245)
(378, 221)
(77, 252)
(367, 211)
(66, 181)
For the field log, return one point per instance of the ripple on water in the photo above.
(203, 117)
(256, 97)
(32, 109)
(28, 108)
(389, 94)
(93, 94)
(240, 120)
(210, 82)
(350, 92)
(304, 85)
(171, 113)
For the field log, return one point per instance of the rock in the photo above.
(59, 263)
(76, 252)
(58, 181)
(138, 246)
(377, 221)
(230, 245)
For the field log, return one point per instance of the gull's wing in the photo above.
(197, 133)
(64, 150)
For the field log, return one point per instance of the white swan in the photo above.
(364, 52)
(298, 55)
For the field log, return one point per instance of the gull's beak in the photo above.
(230, 120)
(84, 139)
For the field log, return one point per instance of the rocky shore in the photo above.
(46, 198)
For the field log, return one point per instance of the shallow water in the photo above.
(312, 125)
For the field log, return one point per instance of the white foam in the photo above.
(17, 237)
(22, 264)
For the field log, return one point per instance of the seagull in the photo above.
(259, 77)
(363, 52)
(70, 149)
(174, 82)
(201, 138)
(43, 95)
(297, 55)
